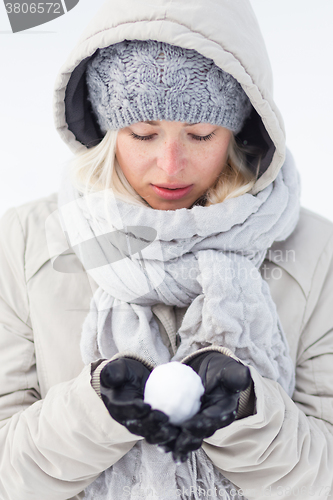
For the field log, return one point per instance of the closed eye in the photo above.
(195, 137)
(203, 138)
(142, 137)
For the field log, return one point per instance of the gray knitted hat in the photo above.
(135, 81)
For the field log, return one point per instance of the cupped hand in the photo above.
(122, 383)
(223, 379)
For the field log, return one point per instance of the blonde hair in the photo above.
(97, 169)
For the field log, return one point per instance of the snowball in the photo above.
(175, 389)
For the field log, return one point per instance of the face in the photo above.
(172, 164)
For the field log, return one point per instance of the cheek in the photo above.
(133, 161)
(212, 161)
(127, 154)
(123, 150)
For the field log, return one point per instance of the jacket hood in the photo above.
(223, 30)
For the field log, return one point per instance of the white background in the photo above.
(299, 38)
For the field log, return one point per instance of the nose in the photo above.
(171, 158)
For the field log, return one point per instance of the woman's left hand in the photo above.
(223, 379)
(122, 383)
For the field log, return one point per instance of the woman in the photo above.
(177, 239)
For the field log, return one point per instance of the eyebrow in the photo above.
(156, 123)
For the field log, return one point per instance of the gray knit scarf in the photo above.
(206, 258)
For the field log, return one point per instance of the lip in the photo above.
(172, 191)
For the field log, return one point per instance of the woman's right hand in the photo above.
(122, 383)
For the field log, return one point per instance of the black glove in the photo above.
(122, 383)
(223, 379)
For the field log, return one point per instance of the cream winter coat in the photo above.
(56, 436)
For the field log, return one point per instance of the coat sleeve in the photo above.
(53, 447)
(285, 450)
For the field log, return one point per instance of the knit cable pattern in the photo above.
(135, 81)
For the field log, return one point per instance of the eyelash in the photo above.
(195, 137)
(203, 138)
(141, 137)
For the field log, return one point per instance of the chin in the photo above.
(169, 205)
